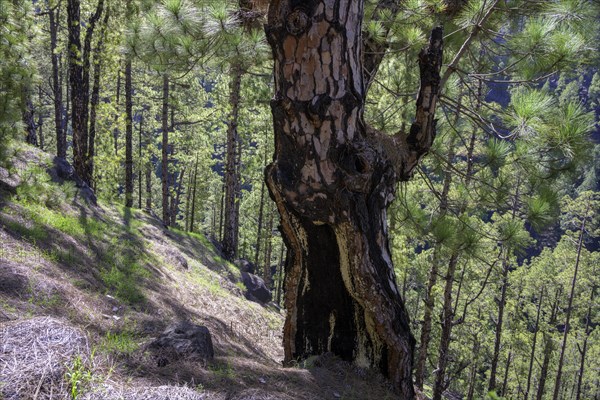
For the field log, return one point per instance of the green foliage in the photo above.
(78, 375)
(119, 343)
(16, 67)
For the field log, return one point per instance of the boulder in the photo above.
(182, 340)
(245, 265)
(256, 289)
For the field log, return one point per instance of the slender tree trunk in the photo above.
(230, 238)
(333, 180)
(447, 321)
(95, 98)
(116, 129)
(268, 248)
(473, 371)
(128, 135)
(506, 370)
(29, 118)
(260, 222)
(569, 310)
(59, 112)
(548, 348)
(533, 345)
(428, 299)
(583, 351)
(40, 123)
(280, 277)
(165, 151)
(194, 189)
(148, 185)
(499, 322)
(176, 198)
(140, 163)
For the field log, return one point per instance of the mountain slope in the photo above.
(84, 288)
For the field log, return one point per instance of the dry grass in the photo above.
(34, 357)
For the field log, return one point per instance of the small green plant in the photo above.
(119, 343)
(78, 375)
(223, 371)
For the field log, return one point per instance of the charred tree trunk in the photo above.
(165, 151)
(333, 179)
(232, 178)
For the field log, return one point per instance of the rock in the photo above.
(256, 289)
(183, 340)
(62, 171)
(245, 265)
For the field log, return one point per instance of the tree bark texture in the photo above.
(333, 179)
(78, 98)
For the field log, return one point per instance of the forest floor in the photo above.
(84, 288)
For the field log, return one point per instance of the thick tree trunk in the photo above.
(165, 151)
(59, 123)
(232, 178)
(194, 188)
(76, 81)
(332, 179)
(175, 201)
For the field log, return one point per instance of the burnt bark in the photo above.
(333, 179)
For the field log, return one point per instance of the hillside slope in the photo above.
(84, 288)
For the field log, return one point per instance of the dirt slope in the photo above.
(83, 289)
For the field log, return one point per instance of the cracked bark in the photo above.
(333, 179)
